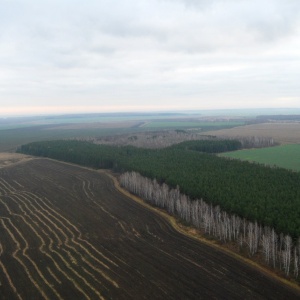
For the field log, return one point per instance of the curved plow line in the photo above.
(108, 213)
(1, 249)
(9, 280)
(88, 190)
(112, 216)
(100, 272)
(43, 244)
(58, 219)
(69, 246)
(53, 251)
(60, 243)
(30, 212)
(78, 244)
(28, 224)
(6, 187)
(3, 191)
(9, 185)
(43, 213)
(93, 276)
(6, 206)
(65, 274)
(66, 263)
(50, 247)
(18, 247)
(20, 185)
(92, 288)
(20, 261)
(84, 190)
(67, 241)
(54, 261)
(53, 275)
(88, 263)
(74, 192)
(71, 257)
(104, 210)
(32, 261)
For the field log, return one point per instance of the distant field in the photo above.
(21, 122)
(17, 131)
(187, 124)
(288, 132)
(12, 138)
(285, 156)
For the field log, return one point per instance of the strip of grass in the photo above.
(284, 156)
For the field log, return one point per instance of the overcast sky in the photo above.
(60, 56)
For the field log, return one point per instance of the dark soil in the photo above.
(67, 233)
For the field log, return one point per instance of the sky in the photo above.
(59, 56)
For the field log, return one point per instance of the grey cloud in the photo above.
(239, 25)
(152, 49)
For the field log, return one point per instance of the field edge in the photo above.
(187, 230)
(192, 233)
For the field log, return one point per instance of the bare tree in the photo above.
(217, 223)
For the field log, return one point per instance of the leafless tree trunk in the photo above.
(286, 254)
(216, 222)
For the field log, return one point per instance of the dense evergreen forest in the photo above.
(270, 196)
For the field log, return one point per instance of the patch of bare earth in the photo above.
(284, 133)
(7, 159)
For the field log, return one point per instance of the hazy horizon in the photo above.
(204, 112)
(60, 57)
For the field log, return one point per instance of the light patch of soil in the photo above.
(281, 132)
(8, 159)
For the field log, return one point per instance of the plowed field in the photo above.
(284, 133)
(67, 233)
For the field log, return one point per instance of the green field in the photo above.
(284, 156)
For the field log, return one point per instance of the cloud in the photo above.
(152, 51)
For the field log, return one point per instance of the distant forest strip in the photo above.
(270, 196)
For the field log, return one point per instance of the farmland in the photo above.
(281, 132)
(12, 138)
(267, 195)
(17, 131)
(188, 124)
(284, 156)
(67, 233)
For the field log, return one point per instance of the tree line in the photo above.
(269, 196)
(278, 250)
(209, 146)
